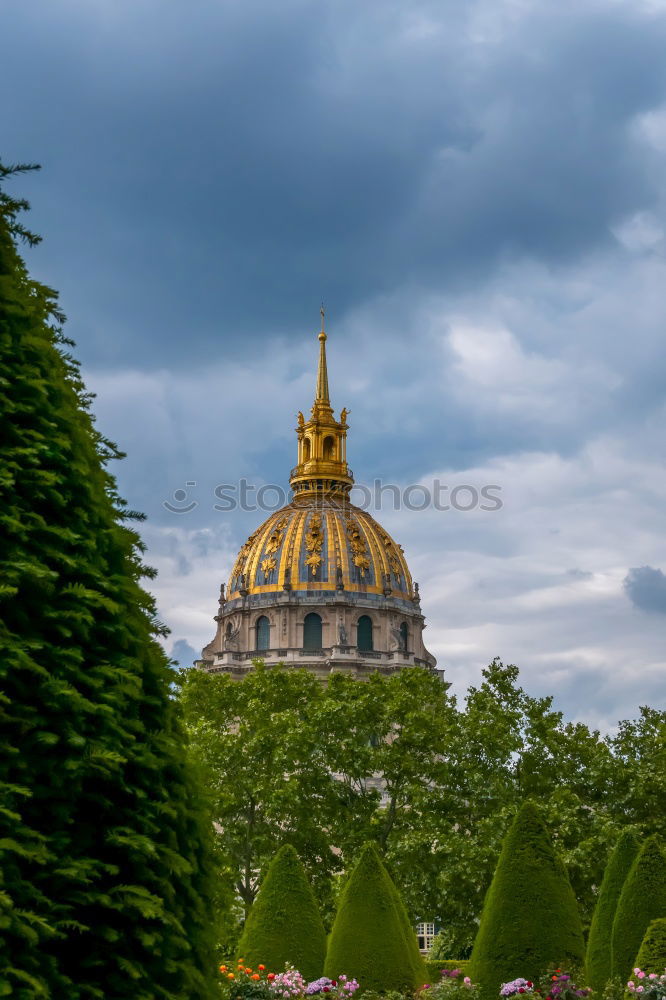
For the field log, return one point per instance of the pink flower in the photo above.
(641, 975)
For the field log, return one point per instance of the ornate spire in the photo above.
(322, 371)
(322, 440)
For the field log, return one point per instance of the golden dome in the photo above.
(321, 541)
(321, 545)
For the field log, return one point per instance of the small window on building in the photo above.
(425, 934)
(329, 448)
(263, 633)
(312, 631)
(306, 449)
(364, 632)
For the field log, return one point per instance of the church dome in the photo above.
(320, 584)
(320, 544)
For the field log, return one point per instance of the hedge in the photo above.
(598, 955)
(530, 917)
(642, 900)
(368, 939)
(652, 952)
(284, 924)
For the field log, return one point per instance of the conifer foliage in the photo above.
(598, 955)
(103, 847)
(530, 919)
(284, 925)
(642, 900)
(652, 953)
(368, 940)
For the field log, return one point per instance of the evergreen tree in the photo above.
(284, 925)
(368, 936)
(103, 843)
(652, 952)
(598, 955)
(530, 917)
(642, 900)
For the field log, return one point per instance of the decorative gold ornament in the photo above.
(243, 556)
(268, 565)
(275, 540)
(358, 546)
(314, 540)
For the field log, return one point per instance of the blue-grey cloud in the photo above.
(646, 589)
(213, 170)
(183, 653)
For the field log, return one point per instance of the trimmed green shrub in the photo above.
(416, 959)
(598, 954)
(284, 924)
(642, 900)
(530, 919)
(434, 968)
(652, 952)
(368, 938)
(104, 884)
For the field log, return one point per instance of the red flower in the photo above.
(334, 982)
(554, 978)
(270, 977)
(520, 989)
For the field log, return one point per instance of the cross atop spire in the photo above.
(322, 371)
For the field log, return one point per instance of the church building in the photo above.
(320, 584)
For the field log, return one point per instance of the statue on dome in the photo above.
(301, 421)
(344, 413)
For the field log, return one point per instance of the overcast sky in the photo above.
(477, 192)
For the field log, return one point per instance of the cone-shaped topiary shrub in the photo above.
(417, 961)
(284, 924)
(104, 885)
(368, 938)
(530, 918)
(652, 952)
(598, 955)
(642, 900)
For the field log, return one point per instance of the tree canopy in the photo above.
(434, 783)
(106, 876)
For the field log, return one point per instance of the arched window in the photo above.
(312, 631)
(306, 449)
(329, 448)
(364, 632)
(404, 636)
(263, 633)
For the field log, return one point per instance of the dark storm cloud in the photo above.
(646, 589)
(212, 169)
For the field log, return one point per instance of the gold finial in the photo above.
(322, 371)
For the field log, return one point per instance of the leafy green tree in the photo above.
(257, 742)
(530, 918)
(652, 952)
(598, 955)
(368, 939)
(642, 900)
(435, 784)
(284, 925)
(106, 882)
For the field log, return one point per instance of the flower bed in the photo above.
(246, 983)
(648, 985)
